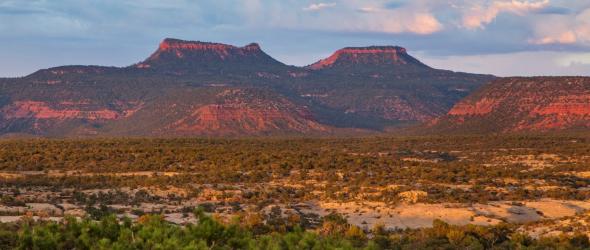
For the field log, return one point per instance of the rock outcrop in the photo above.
(185, 57)
(522, 104)
(368, 56)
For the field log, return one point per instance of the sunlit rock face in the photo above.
(180, 49)
(378, 56)
(520, 104)
(38, 116)
(182, 57)
(43, 110)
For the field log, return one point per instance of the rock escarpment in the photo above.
(522, 104)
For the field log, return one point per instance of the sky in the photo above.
(501, 37)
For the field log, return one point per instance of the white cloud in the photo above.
(582, 26)
(373, 15)
(40, 28)
(573, 29)
(418, 23)
(567, 37)
(359, 16)
(425, 23)
(574, 59)
(478, 16)
(531, 63)
(369, 9)
(319, 6)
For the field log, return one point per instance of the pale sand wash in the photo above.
(369, 214)
(363, 214)
(54, 173)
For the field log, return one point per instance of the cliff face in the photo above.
(522, 104)
(43, 110)
(186, 57)
(375, 56)
(199, 88)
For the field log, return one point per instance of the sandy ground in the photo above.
(403, 216)
(9, 219)
(554, 209)
(368, 214)
(51, 173)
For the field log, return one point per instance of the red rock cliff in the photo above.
(375, 55)
(523, 104)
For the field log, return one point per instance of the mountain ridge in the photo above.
(175, 56)
(370, 55)
(180, 93)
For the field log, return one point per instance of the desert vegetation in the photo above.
(152, 232)
(384, 192)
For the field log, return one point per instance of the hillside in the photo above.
(387, 83)
(522, 104)
(199, 88)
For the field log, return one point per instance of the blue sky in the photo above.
(502, 37)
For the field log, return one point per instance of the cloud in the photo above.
(415, 17)
(394, 4)
(394, 22)
(567, 37)
(365, 16)
(563, 30)
(424, 23)
(574, 59)
(8, 10)
(530, 63)
(92, 30)
(369, 9)
(478, 16)
(554, 10)
(582, 29)
(319, 6)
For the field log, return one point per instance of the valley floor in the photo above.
(540, 184)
